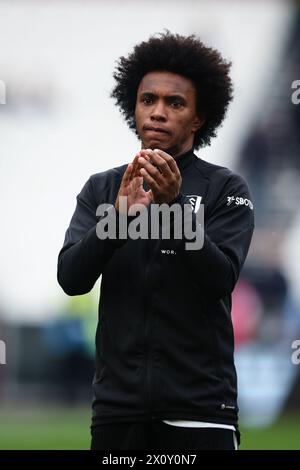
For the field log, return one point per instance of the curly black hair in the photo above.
(186, 56)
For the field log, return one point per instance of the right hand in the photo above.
(132, 186)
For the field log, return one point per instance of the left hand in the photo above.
(162, 174)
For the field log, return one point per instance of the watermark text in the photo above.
(296, 354)
(2, 352)
(295, 97)
(2, 92)
(175, 221)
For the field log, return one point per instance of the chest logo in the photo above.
(195, 201)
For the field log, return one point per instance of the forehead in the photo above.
(166, 83)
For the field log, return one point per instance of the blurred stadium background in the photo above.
(58, 126)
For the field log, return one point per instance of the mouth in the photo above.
(156, 130)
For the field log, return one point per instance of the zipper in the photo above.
(147, 369)
(148, 382)
(147, 345)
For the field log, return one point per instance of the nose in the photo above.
(158, 112)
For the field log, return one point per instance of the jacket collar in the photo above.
(185, 159)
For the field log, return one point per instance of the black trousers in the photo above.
(157, 435)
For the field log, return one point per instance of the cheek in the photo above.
(138, 116)
(184, 124)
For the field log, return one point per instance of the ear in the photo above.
(198, 123)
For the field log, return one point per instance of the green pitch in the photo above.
(68, 428)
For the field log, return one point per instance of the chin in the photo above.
(156, 144)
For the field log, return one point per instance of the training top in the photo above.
(164, 340)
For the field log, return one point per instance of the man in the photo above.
(165, 375)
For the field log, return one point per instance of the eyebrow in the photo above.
(168, 97)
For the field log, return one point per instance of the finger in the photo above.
(161, 164)
(137, 182)
(169, 159)
(127, 175)
(135, 169)
(150, 180)
(150, 194)
(152, 170)
(145, 153)
(137, 165)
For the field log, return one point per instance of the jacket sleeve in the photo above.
(84, 255)
(226, 235)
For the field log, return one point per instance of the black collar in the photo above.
(184, 159)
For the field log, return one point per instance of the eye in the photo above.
(147, 100)
(176, 104)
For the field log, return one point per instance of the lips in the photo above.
(158, 130)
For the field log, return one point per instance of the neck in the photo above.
(184, 149)
(178, 155)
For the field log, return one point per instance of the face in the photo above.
(165, 112)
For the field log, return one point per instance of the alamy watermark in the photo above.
(183, 224)
(2, 92)
(2, 352)
(295, 97)
(296, 354)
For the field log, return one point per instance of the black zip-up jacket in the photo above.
(164, 341)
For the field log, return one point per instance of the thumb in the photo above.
(150, 194)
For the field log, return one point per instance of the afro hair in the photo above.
(186, 56)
